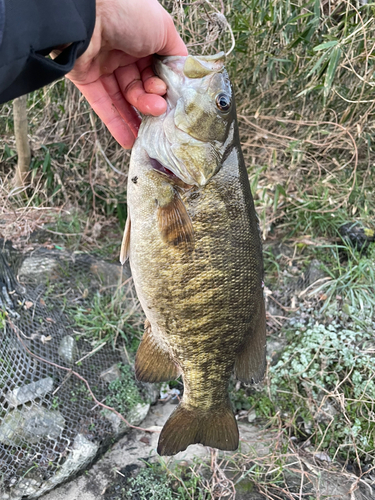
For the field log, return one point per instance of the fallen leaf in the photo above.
(48, 245)
(45, 339)
(28, 304)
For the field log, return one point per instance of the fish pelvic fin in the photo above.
(215, 427)
(250, 363)
(125, 245)
(153, 363)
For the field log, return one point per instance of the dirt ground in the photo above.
(138, 446)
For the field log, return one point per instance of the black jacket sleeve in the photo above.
(29, 30)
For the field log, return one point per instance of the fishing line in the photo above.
(222, 24)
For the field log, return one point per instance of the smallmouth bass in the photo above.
(193, 241)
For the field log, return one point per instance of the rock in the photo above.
(314, 272)
(29, 392)
(68, 350)
(322, 456)
(151, 391)
(246, 490)
(37, 267)
(251, 416)
(31, 425)
(357, 234)
(111, 374)
(26, 487)
(110, 274)
(135, 416)
(81, 454)
(255, 443)
(315, 482)
(275, 346)
(331, 485)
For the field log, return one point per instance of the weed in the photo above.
(148, 485)
(124, 393)
(157, 482)
(106, 319)
(55, 403)
(3, 318)
(326, 377)
(352, 281)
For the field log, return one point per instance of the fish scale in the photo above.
(195, 254)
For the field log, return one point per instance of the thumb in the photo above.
(172, 44)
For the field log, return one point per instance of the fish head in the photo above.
(194, 133)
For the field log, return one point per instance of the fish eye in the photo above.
(223, 102)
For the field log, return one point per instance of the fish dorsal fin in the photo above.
(125, 245)
(174, 223)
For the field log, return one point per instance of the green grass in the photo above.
(352, 282)
(107, 319)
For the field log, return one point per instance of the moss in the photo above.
(245, 486)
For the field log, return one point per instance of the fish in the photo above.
(193, 241)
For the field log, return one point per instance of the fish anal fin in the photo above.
(125, 245)
(215, 427)
(153, 362)
(250, 363)
(174, 223)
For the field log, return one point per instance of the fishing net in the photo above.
(50, 424)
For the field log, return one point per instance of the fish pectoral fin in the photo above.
(174, 223)
(250, 363)
(125, 245)
(215, 427)
(153, 363)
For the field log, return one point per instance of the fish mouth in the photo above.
(158, 63)
(171, 74)
(159, 167)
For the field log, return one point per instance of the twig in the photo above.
(293, 309)
(92, 352)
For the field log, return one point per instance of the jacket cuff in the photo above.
(31, 30)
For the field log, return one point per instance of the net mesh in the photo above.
(47, 415)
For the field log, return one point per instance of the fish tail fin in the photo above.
(215, 427)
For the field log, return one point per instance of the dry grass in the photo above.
(292, 141)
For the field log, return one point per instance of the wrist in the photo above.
(57, 50)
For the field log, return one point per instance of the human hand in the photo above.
(115, 73)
